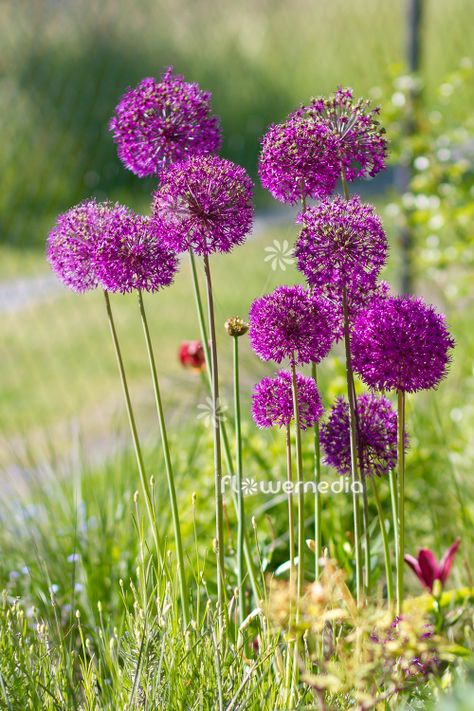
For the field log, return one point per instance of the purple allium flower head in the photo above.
(291, 323)
(342, 242)
(72, 244)
(204, 203)
(129, 255)
(359, 139)
(401, 343)
(298, 160)
(160, 122)
(272, 401)
(377, 422)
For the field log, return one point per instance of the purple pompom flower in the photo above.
(205, 204)
(291, 323)
(160, 122)
(298, 160)
(401, 343)
(272, 401)
(71, 247)
(342, 243)
(377, 436)
(358, 137)
(130, 256)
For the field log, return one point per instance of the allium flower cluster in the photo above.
(358, 138)
(298, 160)
(342, 243)
(130, 256)
(108, 245)
(377, 431)
(205, 204)
(291, 323)
(160, 122)
(272, 401)
(72, 244)
(401, 343)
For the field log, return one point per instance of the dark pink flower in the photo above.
(426, 567)
(191, 355)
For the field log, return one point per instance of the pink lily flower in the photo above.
(426, 567)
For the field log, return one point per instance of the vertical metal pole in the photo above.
(403, 174)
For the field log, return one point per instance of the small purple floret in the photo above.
(401, 343)
(160, 122)
(342, 244)
(272, 401)
(204, 204)
(129, 255)
(358, 138)
(377, 422)
(291, 323)
(298, 160)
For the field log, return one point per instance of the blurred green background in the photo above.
(63, 68)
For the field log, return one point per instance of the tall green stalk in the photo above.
(317, 495)
(290, 676)
(353, 448)
(168, 464)
(401, 501)
(394, 500)
(217, 446)
(300, 486)
(240, 494)
(386, 547)
(133, 429)
(225, 440)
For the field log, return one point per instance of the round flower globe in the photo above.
(291, 323)
(377, 436)
(360, 146)
(401, 343)
(297, 161)
(130, 256)
(203, 204)
(160, 122)
(342, 243)
(272, 401)
(72, 244)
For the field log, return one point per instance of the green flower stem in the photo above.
(225, 440)
(133, 428)
(353, 446)
(221, 595)
(317, 495)
(393, 496)
(240, 495)
(290, 674)
(299, 471)
(168, 463)
(401, 501)
(386, 547)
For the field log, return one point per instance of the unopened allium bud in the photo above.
(135, 497)
(235, 326)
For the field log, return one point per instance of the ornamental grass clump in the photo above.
(333, 639)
